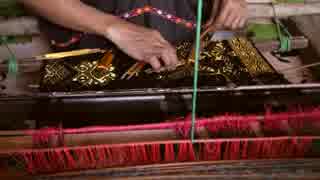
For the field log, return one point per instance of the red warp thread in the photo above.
(212, 151)
(244, 148)
(92, 157)
(233, 124)
(42, 137)
(183, 129)
(186, 152)
(156, 154)
(234, 150)
(277, 124)
(169, 153)
(295, 122)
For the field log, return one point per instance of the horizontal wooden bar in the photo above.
(257, 168)
(297, 42)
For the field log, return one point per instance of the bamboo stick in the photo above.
(15, 140)
(20, 140)
(23, 139)
(282, 10)
(297, 42)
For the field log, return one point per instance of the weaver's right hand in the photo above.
(143, 44)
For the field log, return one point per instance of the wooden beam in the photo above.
(214, 169)
(19, 140)
(282, 10)
(298, 42)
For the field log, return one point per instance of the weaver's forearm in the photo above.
(73, 14)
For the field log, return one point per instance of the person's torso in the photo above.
(174, 19)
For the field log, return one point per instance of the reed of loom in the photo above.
(232, 137)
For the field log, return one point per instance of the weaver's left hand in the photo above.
(233, 15)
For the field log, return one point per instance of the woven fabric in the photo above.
(221, 63)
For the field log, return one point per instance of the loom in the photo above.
(262, 125)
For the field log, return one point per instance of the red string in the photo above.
(274, 150)
(169, 153)
(252, 150)
(43, 162)
(226, 153)
(101, 157)
(183, 129)
(212, 151)
(53, 161)
(186, 152)
(233, 124)
(278, 124)
(134, 155)
(303, 146)
(82, 158)
(191, 152)
(119, 155)
(109, 159)
(60, 158)
(235, 150)
(43, 136)
(70, 160)
(244, 148)
(182, 154)
(155, 153)
(29, 163)
(144, 154)
(92, 157)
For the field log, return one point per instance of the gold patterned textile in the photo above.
(250, 57)
(89, 74)
(235, 61)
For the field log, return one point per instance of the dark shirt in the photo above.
(174, 19)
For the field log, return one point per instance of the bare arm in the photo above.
(140, 43)
(233, 15)
(73, 14)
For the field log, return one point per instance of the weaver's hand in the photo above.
(143, 44)
(233, 15)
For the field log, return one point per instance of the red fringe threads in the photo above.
(103, 156)
(274, 136)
